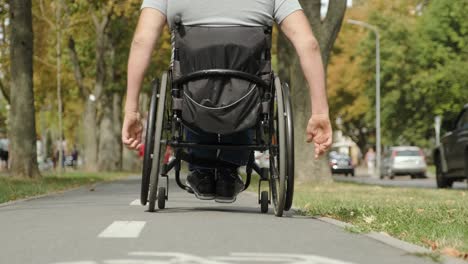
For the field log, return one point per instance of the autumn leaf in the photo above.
(432, 244)
(451, 252)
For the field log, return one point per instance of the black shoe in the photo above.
(202, 183)
(228, 185)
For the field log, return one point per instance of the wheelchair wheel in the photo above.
(264, 202)
(149, 144)
(278, 159)
(162, 197)
(159, 147)
(289, 148)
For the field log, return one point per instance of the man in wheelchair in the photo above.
(221, 108)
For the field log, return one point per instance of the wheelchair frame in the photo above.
(274, 132)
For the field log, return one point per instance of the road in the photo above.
(105, 225)
(399, 181)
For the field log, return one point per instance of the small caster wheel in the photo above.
(264, 202)
(161, 197)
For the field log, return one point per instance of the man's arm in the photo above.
(150, 26)
(297, 29)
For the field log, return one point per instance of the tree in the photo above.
(4, 57)
(101, 13)
(423, 62)
(22, 115)
(326, 30)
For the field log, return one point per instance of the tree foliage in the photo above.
(424, 56)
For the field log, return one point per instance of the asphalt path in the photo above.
(105, 225)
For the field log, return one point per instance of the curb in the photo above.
(394, 242)
(51, 194)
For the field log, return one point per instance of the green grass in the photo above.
(437, 218)
(14, 188)
(431, 169)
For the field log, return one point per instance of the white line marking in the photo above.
(123, 229)
(77, 262)
(136, 202)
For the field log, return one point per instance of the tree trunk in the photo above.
(117, 121)
(59, 83)
(22, 114)
(326, 31)
(90, 119)
(4, 87)
(109, 150)
(90, 136)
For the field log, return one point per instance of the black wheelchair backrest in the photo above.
(223, 74)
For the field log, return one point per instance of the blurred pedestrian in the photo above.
(370, 160)
(74, 155)
(4, 154)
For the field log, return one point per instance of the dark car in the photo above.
(451, 156)
(341, 164)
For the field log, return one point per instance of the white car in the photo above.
(404, 160)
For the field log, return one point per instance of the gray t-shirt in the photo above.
(219, 13)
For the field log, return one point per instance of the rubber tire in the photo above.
(278, 191)
(264, 202)
(441, 179)
(157, 144)
(290, 148)
(149, 145)
(162, 197)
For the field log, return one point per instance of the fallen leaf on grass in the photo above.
(432, 244)
(419, 210)
(369, 219)
(451, 252)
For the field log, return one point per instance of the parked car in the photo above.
(341, 164)
(404, 160)
(451, 156)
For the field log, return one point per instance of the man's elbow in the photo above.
(312, 44)
(138, 41)
(309, 45)
(141, 41)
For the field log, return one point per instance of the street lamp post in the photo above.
(377, 88)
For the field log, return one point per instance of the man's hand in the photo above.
(320, 132)
(132, 130)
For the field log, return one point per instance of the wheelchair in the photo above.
(220, 81)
